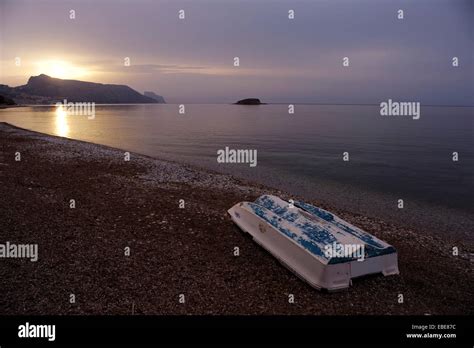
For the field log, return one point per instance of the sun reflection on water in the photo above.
(62, 126)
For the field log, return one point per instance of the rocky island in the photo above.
(249, 101)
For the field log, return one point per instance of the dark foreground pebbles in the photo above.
(175, 250)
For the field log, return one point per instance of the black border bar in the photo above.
(224, 330)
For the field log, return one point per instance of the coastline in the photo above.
(11, 106)
(175, 251)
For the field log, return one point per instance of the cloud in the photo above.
(115, 67)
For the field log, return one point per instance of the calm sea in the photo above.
(302, 153)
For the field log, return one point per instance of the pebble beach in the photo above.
(145, 231)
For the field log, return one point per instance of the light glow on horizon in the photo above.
(60, 69)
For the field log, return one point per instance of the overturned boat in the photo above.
(316, 245)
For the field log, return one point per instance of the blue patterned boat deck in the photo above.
(314, 228)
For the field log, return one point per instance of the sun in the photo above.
(60, 69)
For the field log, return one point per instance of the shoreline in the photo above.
(430, 212)
(173, 250)
(11, 106)
(421, 215)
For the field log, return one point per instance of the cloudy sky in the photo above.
(281, 60)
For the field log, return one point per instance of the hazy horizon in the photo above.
(281, 60)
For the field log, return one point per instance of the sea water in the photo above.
(387, 158)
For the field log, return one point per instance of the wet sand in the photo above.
(177, 251)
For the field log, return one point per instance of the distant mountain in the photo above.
(44, 89)
(154, 96)
(24, 98)
(6, 101)
(249, 101)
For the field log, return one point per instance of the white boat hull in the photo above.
(314, 269)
